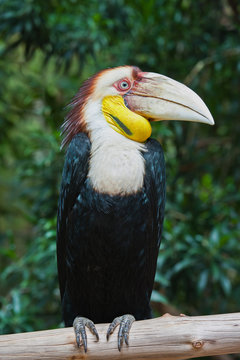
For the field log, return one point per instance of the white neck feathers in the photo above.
(116, 164)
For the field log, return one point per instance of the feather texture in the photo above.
(107, 245)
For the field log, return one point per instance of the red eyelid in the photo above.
(117, 84)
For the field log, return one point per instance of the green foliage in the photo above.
(31, 281)
(47, 49)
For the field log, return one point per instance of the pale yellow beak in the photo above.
(158, 97)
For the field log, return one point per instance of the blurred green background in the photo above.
(47, 49)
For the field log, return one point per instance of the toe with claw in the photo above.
(125, 323)
(79, 325)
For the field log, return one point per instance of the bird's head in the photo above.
(127, 100)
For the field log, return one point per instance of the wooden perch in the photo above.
(166, 337)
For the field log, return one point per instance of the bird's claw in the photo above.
(79, 325)
(125, 323)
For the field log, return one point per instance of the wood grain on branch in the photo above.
(166, 337)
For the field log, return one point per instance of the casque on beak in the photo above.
(157, 97)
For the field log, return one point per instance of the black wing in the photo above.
(155, 187)
(74, 174)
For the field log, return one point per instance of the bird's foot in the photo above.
(79, 325)
(125, 324)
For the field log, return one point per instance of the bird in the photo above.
(112, 196)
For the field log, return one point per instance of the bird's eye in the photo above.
(124, 85)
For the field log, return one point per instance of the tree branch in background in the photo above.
(200, 65)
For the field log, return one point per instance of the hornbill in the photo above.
(111, 205)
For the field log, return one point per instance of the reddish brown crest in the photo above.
(74, 121)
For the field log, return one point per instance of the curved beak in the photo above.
(158, 97)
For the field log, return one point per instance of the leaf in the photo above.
(226, 285)
(203, 279)
(158, 297)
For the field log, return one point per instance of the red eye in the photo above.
(124, 85)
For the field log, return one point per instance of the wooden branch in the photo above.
(168, 337)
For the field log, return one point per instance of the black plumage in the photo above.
(107, 246)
